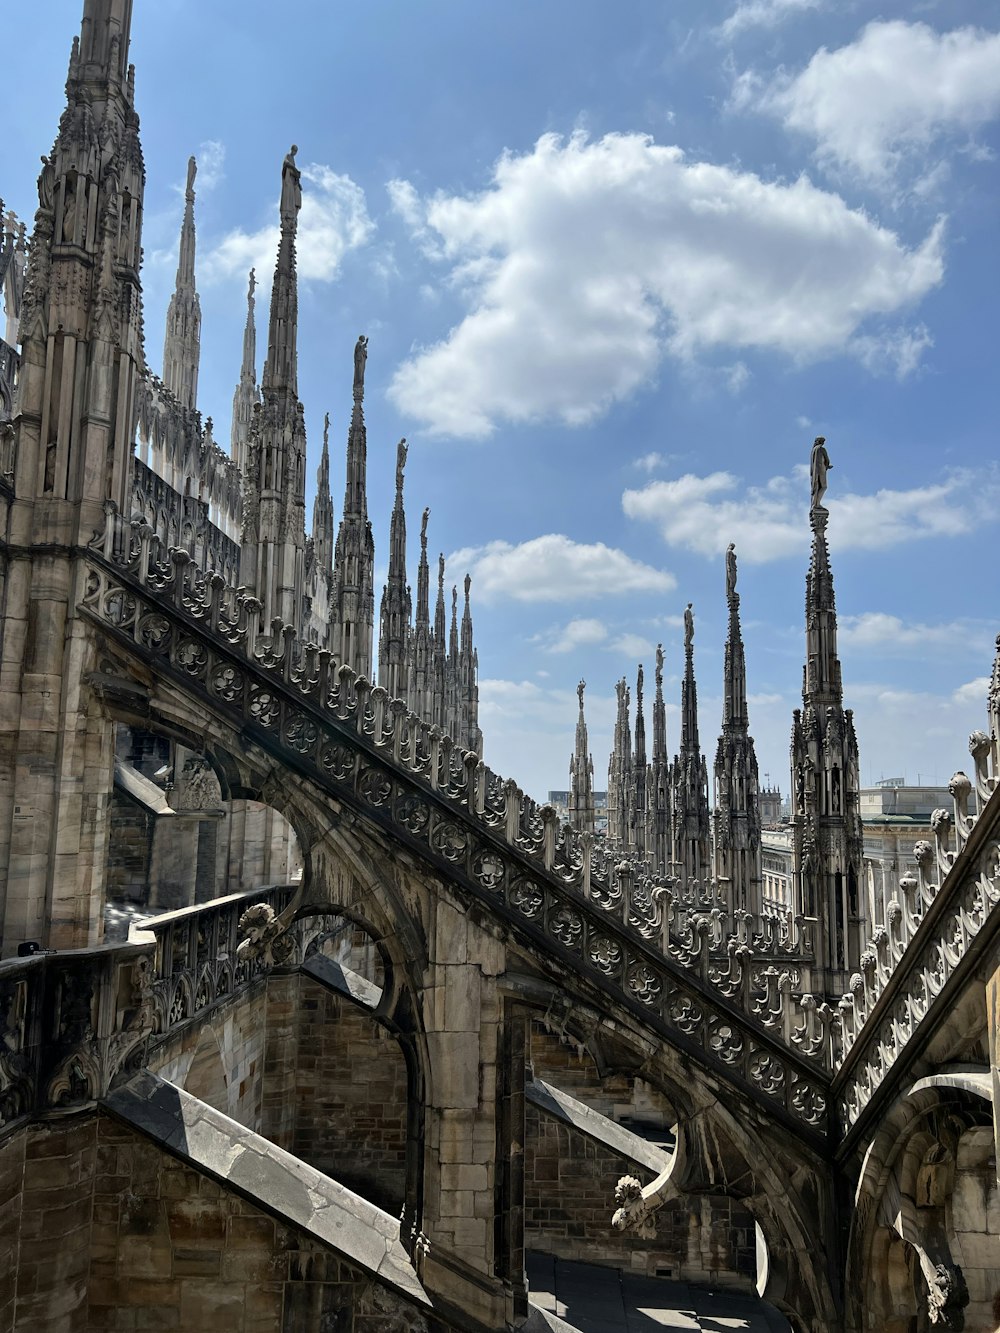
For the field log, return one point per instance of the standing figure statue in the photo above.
(819, 466)
(401, 452)
(291, 186)
(579, 692)
(360, 357)
(730, 572)
(688, 627)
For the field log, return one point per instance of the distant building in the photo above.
(560, 801)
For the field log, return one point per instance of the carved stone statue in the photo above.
(291, 186)
(659, 665)
(730, 572)
(360, 358)
(579, 692)
(423, 526)
(192, 172)
(401, 452)
(46, 185)
(688, 627)
(819, 466)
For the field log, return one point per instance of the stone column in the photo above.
(457, 1255)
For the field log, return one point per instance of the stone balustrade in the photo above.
(74, 1023)
(446, 801)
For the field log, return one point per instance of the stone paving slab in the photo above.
(591, 1299)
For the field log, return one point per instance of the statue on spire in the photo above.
(401, 452)
(688, 628)
(360, 358)
(730, 572)
(423, 526)
(291, 186)
(819, 466)
(192, 172)
(659, 666)
(579, 692)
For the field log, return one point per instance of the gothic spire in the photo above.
(352, 607)
(737, 801)
(394, 618)
(690, 776)
(356, 486)
(659, 792)
(439, 610)
(272, 554)
(581, 774)
(453, 636)
(182, 341)
(281, 367)
(322, 525)
(423, 577)
(640, 722)
(659, 713)
(827, 844)
(734, 706)
(690, 743)
(466, 647)
(246, 394)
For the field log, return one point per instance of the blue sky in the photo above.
(618, 265)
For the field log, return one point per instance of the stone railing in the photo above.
(676, 970)
(70, 1024)
(936, 921)
(73, 1023)
(658, 907)
(723, 983)
(195, 961)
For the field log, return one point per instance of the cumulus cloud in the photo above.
(762, 14)
(882, 102)
(579, 633)
(632, 646)
(888, 634)
(704, 514)
(553, 568)
(334, 220)
(584, 263)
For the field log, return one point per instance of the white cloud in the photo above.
(704, 514)
(584, 263)
(888, 634)
(883, 101)
(211, 157)
(651, 462)
(762, 14)
(577, 633)
(555, 569)
(334, 220)
(632, 646)
(973, 692)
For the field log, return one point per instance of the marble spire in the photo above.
(272, 559)
(394, 614)
(246, 395)
(322, 523)
(182, 340)
(737, 801)
(827, 840)
(581, 774)
(691, 840)
(352, 600)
